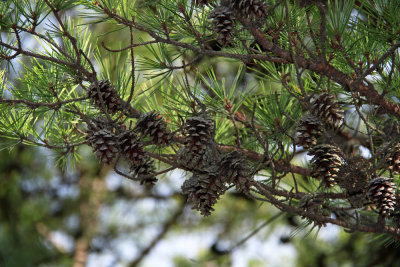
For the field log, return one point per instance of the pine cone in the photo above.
(235, 170)
(203, 191)
(326, 163)
(111, 100)
(223, 21)
(324, 108)
(309, 130)
(104, 143)
(382, 193)
(253, 9)
(199, 132)
(131, 147)
(144, 171)
(151, 123)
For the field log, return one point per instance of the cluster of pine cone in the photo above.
(331, 166)
(110, 140)
(212, 172)
(206, 186)
(225, 16)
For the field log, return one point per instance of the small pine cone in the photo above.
(199, 132)
(326, 163)
(309, 130)
(111, 100)
(203, 191)
(233, 166)
(324, 108)
(104, 143)
(253, 9)
(382, 193)
(144, 171)
(131, 147)
(151, 123)
(223, 21)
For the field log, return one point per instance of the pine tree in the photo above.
(231, 92)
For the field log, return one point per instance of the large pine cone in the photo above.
(326, 163)
(382, 193)
(103, 91)
(223, 21)
(309, 130)
(328, 111)
(203, 191)
(152, 124)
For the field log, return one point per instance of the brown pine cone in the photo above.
(382, 193)
(328, 111)
(309, 130)
(104, 143)
(152, 124)
(326, 163)
(203, 191)
(199, 133)
(234, 169)
(104, 96)
(223, 21)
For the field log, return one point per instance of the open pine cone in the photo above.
(309, 130)
(103, 95)
(152, 124)
(203, 191)
(199, 132)
(234, 167)
(223, 21)
(328, 111)
(104, 143)
(382, 193)
(326, 163)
